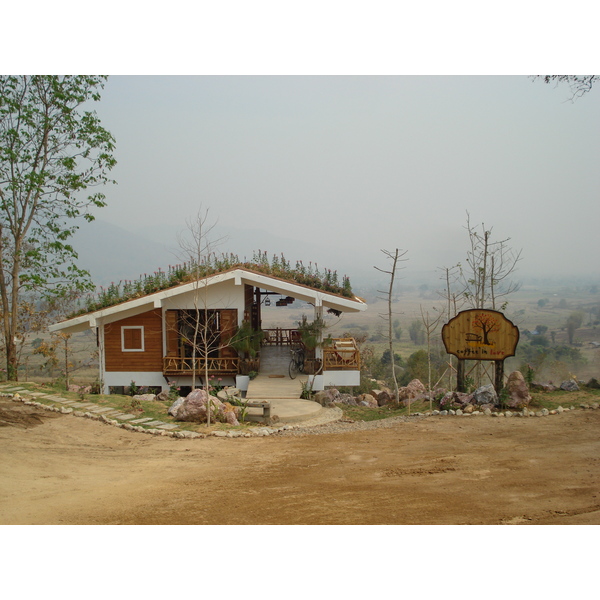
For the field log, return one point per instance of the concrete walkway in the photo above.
(273, 384)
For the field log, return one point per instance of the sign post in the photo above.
(480, 334)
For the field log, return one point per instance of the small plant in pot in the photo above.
(246, 341)
(311, 335)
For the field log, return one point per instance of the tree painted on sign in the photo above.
(487, 324)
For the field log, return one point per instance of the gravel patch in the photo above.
(332, 422)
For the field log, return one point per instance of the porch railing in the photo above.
(280, 336)
(177, 365)
(341, 355)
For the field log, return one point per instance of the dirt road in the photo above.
(477, 470)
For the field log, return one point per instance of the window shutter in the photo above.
(172, 333)
(228, 326)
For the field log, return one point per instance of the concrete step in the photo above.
(264, 387)
(291, 411)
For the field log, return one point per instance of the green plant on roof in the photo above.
(278, 266)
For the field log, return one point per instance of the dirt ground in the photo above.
(58, 469)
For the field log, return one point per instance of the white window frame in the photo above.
(123, 328)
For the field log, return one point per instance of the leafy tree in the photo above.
(574, 322)
(397, 330)
(417, 367)
(385, 358)
(416, 333)
(540, 340)
(52, 150)
(541, 329)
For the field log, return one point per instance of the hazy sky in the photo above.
(340, 167)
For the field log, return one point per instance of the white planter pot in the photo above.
(241, 382)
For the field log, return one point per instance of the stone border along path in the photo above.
(327, 422)
(113, 416)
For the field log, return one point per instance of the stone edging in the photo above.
(266, 431)
(252, 431)
(523, 413)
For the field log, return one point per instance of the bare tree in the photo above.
(486, 281)
(430, 325)
(200, 326)
(453, 296)
(395, 257)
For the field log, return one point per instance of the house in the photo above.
(173, 334)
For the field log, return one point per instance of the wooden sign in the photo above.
(480, 334)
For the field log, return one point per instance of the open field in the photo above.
(424, 471)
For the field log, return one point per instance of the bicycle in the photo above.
(297, 362)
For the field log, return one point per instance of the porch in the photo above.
(179, 366)
(341, 354)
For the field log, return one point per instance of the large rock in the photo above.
(228, 393)
(486, 394)
(463, 398)
(569, 386)
(327, 397)
(413, 390)
(518, 392)
(447, 401)
(175, 407)
(164, 396)
(367, 400)
(145, 397)
(194, 408)
(346, 399)
(382, 397)
(451, 399)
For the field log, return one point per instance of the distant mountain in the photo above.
(111, 253)
(114, 253)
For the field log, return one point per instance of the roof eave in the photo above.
(83, 322)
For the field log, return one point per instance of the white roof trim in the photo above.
(155, 300)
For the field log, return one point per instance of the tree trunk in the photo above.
(12, 364)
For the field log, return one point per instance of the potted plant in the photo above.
(246, 341)
(311, 334)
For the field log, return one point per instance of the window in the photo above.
(132, 339)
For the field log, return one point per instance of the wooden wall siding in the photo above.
(149, 360)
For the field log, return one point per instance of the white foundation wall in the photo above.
(142, 378)
(187, 381)
(334, 379)
(151, 379)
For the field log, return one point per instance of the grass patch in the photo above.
(364, 413)
(552, 400)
